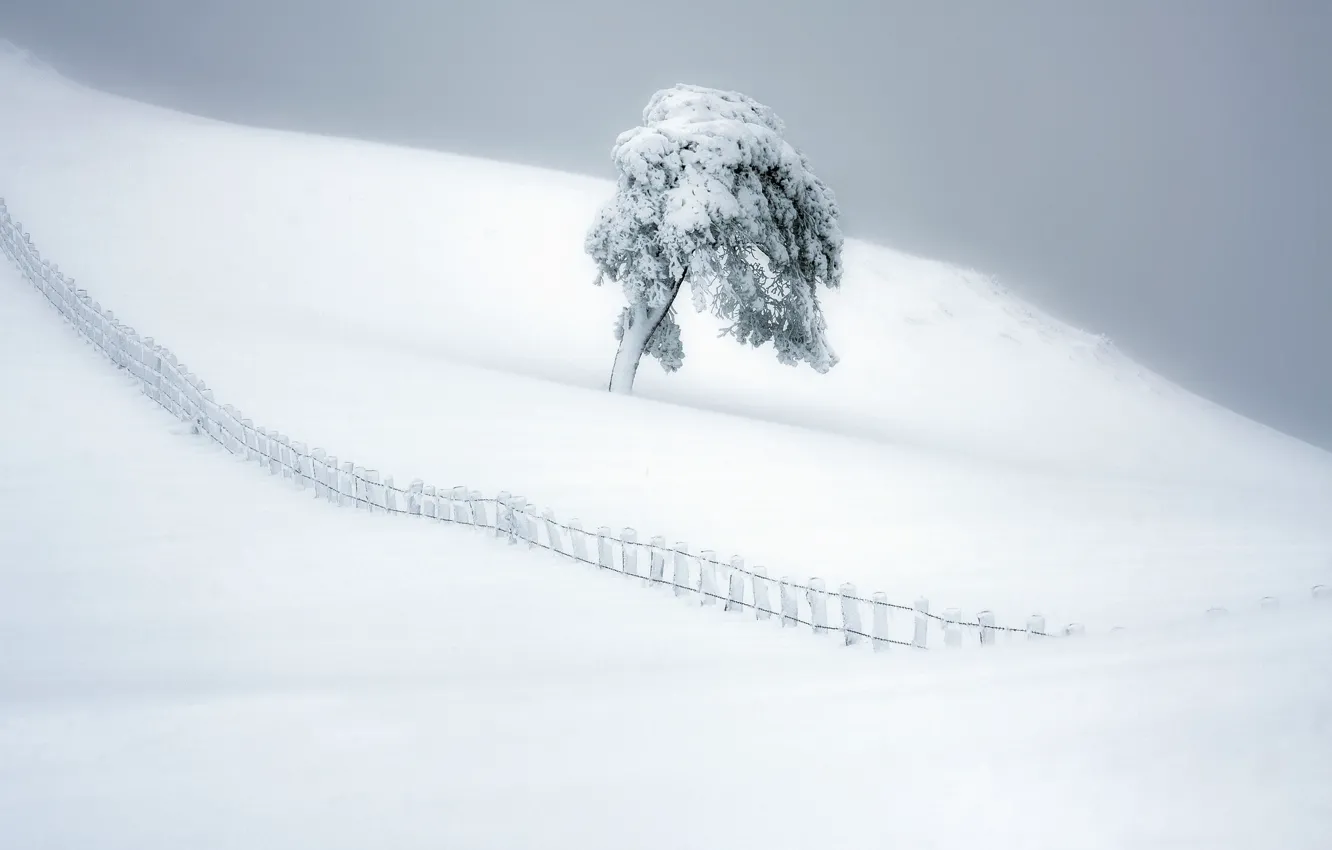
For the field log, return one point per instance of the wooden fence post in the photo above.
(522, 525)
(629, 552)
(360, 488)
(880, 621)
(789, 603)
(952, 627)
(332, 479)
(348, 486)
(502, 512)
(1035, 627)
(307, 468)
(735, 598)
(680, 569)
(735, 595)
(657, 562)
(985, 620)
(920, 635)
(553, 532)
(851, 628)
(818, 605)
(762, 603)
(372, 490)
(578, 541)
(707, 577)
(476, 503)
(319, 460)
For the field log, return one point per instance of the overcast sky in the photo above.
(1158, 171)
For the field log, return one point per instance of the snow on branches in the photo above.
(710, 194)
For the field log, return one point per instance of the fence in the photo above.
(704, 577)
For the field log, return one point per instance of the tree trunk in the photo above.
(635, 340)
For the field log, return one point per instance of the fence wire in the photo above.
(169, 383)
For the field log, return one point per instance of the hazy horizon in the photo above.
(1156, 173)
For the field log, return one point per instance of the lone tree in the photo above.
(709, 193)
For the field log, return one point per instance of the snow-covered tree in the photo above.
(710, 194)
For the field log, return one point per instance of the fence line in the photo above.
(703, 576)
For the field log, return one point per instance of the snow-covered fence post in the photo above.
(1322, 591)
(273, 456)
(735, 595)
(375, 490)
(360, 495)
(304, 468)
(476, 504)
(522, 526)
(416, 497)
(1075, 630)
(285, 459)
(517, 520)
(553, 532)
(762, 603)
(604, 559)
(952, 627)
(460, 503)
(985, 620)
(920, 635)
(502, 511)
(818, 605)
(251, 439)
(261, 446)
(333, 478)
(1268, 603)
(629, 552)
(347, 486)
(319, 461)
(430, 503)
(578, 541)
(1035, 627)
(880, 621)
(790, 604)
(657, 560)
(851, 628)
(391, 497)
(707, 577)
(680, 569)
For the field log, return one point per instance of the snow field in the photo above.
(195, 657)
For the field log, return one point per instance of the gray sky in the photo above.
(1159, 171)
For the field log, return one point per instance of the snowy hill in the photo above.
(433, 316)
(196, 656)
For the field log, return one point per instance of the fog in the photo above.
(1157, 171)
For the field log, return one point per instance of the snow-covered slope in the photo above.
(194, 656)
(433, 316)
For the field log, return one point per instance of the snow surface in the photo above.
(434, 316)
(196, 656)
(192, 655)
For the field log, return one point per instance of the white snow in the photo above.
(194, 656)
